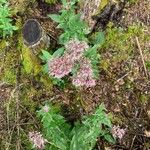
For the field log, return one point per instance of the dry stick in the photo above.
(30, 115)
(123, 76)
(17, 116)
(132, 142)
(10, 132)
(140, 50)
(10, 138)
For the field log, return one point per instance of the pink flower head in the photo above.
(118, 132)
(76, 48)
(46, 108)
(84, 77)
(37, 139)
(60, 66)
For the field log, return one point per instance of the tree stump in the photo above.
(34, 36)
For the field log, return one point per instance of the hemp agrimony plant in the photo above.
(58, 134)
(78, 55)
(6, 27)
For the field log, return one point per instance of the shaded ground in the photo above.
(123, 84)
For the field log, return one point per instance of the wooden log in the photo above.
(34, 36)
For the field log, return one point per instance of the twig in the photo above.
(18, 144)
(123, 76)
(18, 118)
(140, 50)
(10, 132)
(36, 123)
(10, 138)
(132, 142)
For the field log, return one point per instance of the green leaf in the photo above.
(75, 69)
(46, 55)
(55, 17)
(55, 127)
(73, 2)
(45, 68)
(84, 134)
(64, 38)
(64, 2)
(98, 38)
(109, 138)
(5, 22)
(58, 53)
(107, 122)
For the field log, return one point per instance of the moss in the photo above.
(132, 1)
(105, 64)
(47, 82)
(27, 99)
(19, 6)
(9, 76)
(51, 1)
(116, 119)
(31, 63)
(120, 43)
(3, 45)
(8, 62)
(102, 5)
(144, 98)
(148, 65)
(25, 140)
(27, 110)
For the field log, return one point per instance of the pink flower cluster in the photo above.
(76, 48)
(62, 66)
(118, 132)
(84, 77)
(37, 139)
